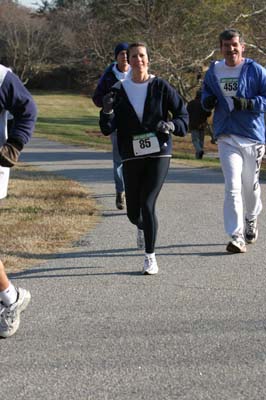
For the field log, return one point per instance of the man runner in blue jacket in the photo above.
(236, 88)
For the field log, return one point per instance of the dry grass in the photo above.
(43, 213)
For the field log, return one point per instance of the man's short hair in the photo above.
(228, 34)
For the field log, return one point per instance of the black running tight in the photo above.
(143, 180)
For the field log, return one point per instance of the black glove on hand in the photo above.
(240, 103)
(9, 155)
(108, 102)
(210, 102)
(165, 127)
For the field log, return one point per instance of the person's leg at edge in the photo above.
(4, 282)
(8, 292)
(232, 162)
(12, 302)
(118, 173)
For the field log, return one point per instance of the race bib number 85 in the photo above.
(146, 143)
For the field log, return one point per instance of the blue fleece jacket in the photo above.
(251, 85)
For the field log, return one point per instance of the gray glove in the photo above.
(165, 127)
(108, 102)
(242, 104)
(9, 155)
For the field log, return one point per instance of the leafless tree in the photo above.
(80, 35)
(30, 44)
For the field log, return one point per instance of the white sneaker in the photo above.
(10, 316)
(236, 245)
(140, 239)
(150, 265)
(251, 231)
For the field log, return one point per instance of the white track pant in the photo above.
(241, 167)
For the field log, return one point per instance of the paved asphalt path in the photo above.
(97, 329)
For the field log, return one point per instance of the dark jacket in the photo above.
(161, 100)
(197, 115)
(107, 80)
(14, 97)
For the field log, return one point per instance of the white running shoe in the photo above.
(140, 239)
(10, 316)
(251, 231)
(236, 245)
(150, 265)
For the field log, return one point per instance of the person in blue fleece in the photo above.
(16, 99)
(235, 88)
(145, 110)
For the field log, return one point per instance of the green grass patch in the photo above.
(69, 118)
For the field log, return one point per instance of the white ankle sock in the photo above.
(9, 295)
(150, 255)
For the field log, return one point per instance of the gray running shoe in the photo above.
(251, 231)
(10, 316)
(120, 200)
(236, 245)
(150, 265)
(140, 239)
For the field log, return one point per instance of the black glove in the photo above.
(240, 103)
(210, 102)
(108, 102)
(9, 155)
(165, 127)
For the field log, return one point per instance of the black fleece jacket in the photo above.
(162, 103)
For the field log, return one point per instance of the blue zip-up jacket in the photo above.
(251, 85)
(161, 100)
(15, 98)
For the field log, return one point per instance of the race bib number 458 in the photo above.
(146, 143)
